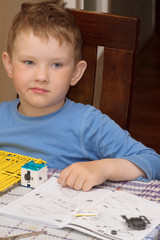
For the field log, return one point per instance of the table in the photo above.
(8, 226)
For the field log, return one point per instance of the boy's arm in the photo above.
(85, 175)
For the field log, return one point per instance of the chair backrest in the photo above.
(119, 36)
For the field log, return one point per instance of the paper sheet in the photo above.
(55, 206)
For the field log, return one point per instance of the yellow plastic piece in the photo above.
(10, 168)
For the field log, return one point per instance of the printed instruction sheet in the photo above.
(97, 212)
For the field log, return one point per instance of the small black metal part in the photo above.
(137, 223)
(113, 232)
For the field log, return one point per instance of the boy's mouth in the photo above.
(39, 90)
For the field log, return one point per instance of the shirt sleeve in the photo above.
(103, 138)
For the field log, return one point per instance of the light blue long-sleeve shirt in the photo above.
(76, 132)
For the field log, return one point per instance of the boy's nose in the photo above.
(41, 74)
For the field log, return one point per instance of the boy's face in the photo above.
(42, 72)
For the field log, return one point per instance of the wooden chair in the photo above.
(119, 36)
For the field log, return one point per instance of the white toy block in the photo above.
(33, 174)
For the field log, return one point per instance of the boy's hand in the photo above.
(83, 175)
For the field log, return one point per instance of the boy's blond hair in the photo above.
(44, 19)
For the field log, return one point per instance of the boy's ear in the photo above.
(7, 64)
(78, 72)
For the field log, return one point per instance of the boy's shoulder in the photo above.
(8, 108)
(76, 105)
(78, 108)
(86, 112)
(8, 104)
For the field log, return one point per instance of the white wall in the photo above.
(97, 5)
(79, 4)
(7, 10)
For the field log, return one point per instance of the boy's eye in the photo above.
(57, 65)
(28, 62)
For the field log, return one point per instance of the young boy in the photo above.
(44, 59)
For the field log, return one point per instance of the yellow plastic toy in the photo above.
(10, 168)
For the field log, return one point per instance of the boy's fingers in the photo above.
(87, 186)
(70, 180)
(77, 177)
(63, 176)
(79, 182)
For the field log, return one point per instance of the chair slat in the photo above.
(84, 90)
(116, 85)
(108, 30)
